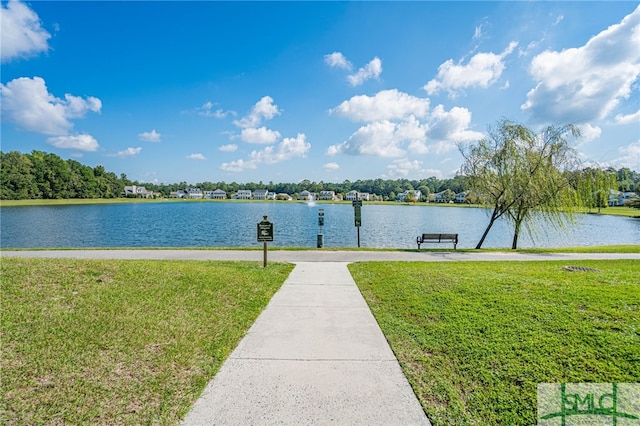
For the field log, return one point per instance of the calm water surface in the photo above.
(225, 224)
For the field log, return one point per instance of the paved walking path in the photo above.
(314, 356)
(312, 255)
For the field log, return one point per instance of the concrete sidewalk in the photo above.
(314, 356)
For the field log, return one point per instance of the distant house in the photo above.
(352, 196)
(218, 194)
(271, 195)
(461, 197)
(260, 194)
(618, 198)
(242, 194)
(305, 195)
(137, 191)
(442, 197)
(409, 193)
(327, 195)
(177, 194)
(283, 196)
(195, 193)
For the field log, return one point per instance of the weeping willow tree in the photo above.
(594, 186)
(523, 175)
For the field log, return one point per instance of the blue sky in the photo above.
(283, 91)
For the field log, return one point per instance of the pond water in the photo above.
(230, 224)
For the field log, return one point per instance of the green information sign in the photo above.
(357, 210)
(265, 231)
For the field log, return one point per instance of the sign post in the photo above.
(265, 234)
(357, 211)
(320, 224)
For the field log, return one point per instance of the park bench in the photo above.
(438, 238)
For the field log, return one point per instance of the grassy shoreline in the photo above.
(614, 211)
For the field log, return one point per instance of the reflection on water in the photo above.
(227, 224)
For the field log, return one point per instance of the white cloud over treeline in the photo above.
(22, 34)
(397, 123)
(277, 151)
(27, 103)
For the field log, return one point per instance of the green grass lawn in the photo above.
(474, 339)
(117, 341)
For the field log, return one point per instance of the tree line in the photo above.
(41, 175)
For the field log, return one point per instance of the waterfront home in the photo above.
(260, 194)
(416, 195)
(271, 195)
(352, 196)
(306, 195)
(136, 191)
(242, 194)
(327, 195)
(177, 194)
(218, 194)
(195, 193)
(442, 197)
(283, 196)
(461, 197)
(618, 198)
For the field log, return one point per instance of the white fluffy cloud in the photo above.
(264, 109)
(22, 33)
(229, 148)
(81, 142)
(452, 125)
(261, 135)
(586, 83)
(629, 156)
(483, 70)
(589, 133)
(629, 118)
(399, 123)
(288, 149)
(206, 110)
(337, 60)
(151, 136)
(196, 156)
(372, 70)
(129, 152)
(27, 103)
(238, 166)
(329, 167)
(384, 105)
(379, 138)
(402, 167)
